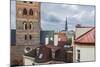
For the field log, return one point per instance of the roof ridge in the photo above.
(84, 33)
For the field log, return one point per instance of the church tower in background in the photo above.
(66, 25)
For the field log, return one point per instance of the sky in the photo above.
(13, 14)
(54, 15)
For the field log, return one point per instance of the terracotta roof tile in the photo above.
(88, 37)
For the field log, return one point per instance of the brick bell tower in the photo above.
(27, 23)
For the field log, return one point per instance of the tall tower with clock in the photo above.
(27, 23)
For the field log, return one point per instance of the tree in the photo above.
(69, 41)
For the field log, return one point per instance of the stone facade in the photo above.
(27, 30)
(17, 53)
(27, 23)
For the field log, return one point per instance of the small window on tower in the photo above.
(25, 37)
(25, 25)
(30, 12)
(30, 25)
(25, 2)
(30, 2)
(24, 11)
(30, 37)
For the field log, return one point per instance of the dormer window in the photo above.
(28, 48)
(41, 56)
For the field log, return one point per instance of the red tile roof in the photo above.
(62, 36)
(87, 37)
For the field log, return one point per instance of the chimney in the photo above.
(46, 40)
(55, 39)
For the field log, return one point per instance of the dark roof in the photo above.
(55, 48)
(80, 26)
(32, 53)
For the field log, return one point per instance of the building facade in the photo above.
(46, 37)
(27, 23)
(84, 44)
(27, 30)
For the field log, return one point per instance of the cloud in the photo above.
(71, 7)
(85, 17)
(50, 17)
(76, 14)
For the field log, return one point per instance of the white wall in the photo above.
(87, 53)
(46, 40)
(55, 39)
(28, 60)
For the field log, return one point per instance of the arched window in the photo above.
(30, 37)
(30, 12)
(30, 2)
(30, 25)
(25, 25)
(24, 11)
(25, 1)
(25, 37)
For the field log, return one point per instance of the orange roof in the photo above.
(62, 36)
(87, 37)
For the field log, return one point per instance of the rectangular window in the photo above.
(78, 55)
(25, 37)
(30, 37)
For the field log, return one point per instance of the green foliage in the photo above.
(69, 41)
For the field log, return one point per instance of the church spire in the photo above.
(66, 28)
